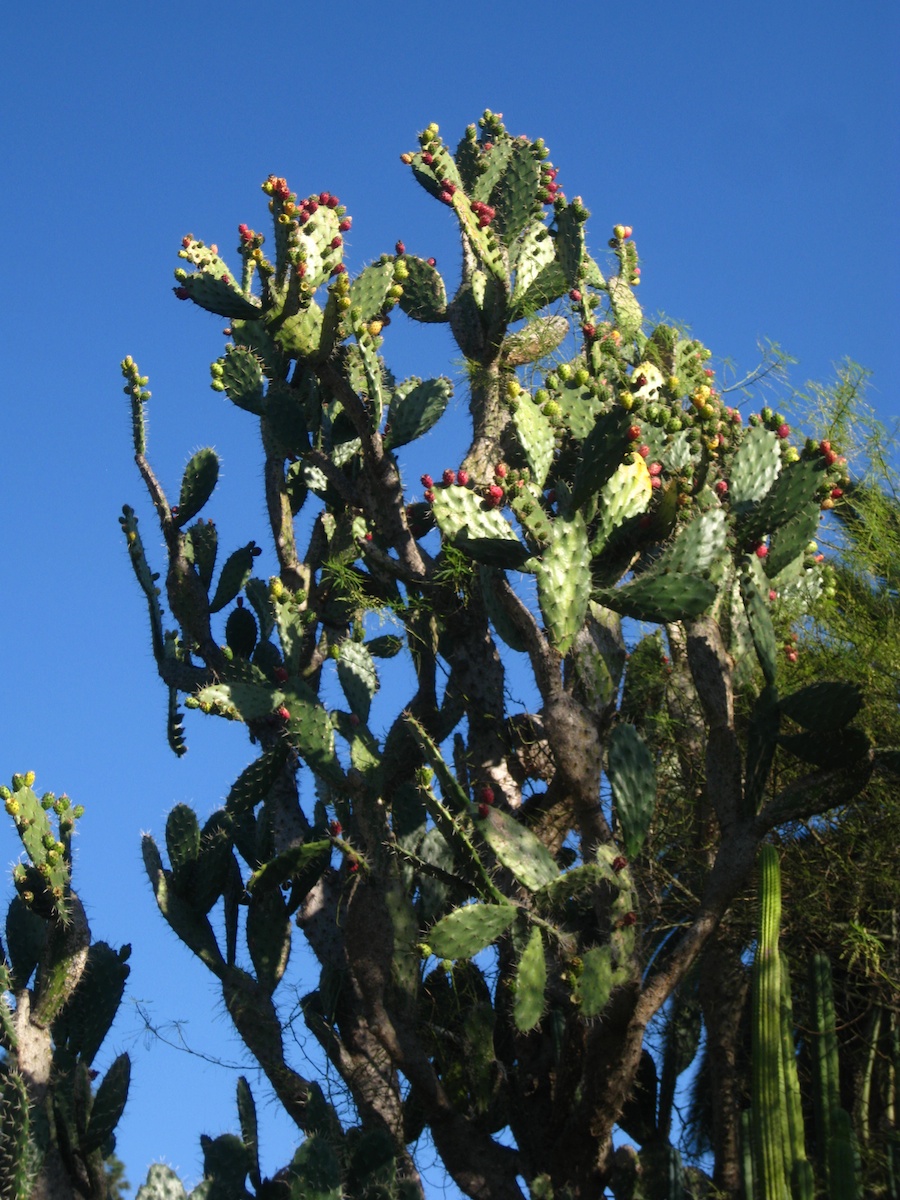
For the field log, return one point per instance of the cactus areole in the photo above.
(490, 928)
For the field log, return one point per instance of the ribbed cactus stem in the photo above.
(768, 1094)
(795, 1151)
(825, 1055)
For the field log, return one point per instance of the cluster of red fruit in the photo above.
(548, 181)
(485, 800)
(484, 213)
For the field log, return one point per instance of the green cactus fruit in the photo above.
(240, 375)
(564, 580)
(467, 931)
(414, 408)
(424, 295)
(518, 849)
(823, 707)
(755, 466)
(268, 936)
(535, 435)
(632, 774)
(15, 1137)
(255, 781)
(241, 632)
(161, 1184)
(107, 1107)
(660, 598)
(198, 482)
(200, 545)
(754, 587)
(625, 306)
(601, 454)
(235, 573)
(531, 979)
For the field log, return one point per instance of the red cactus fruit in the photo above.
(448, 477)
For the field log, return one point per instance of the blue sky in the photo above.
(752, 147)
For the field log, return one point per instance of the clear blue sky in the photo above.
(752, 147)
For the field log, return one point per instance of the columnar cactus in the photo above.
(457, 843)
(60, 996)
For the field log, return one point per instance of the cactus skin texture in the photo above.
(604, 479)
(56, 1129)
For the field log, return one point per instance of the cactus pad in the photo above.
(469, 930)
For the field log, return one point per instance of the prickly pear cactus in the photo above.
(606, 482)
(60, 996)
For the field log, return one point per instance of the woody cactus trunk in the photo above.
(477, 897)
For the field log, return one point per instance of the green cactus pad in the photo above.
(595, 984)
(494, 552)
(316, 1171)
(467, 931)
(527, 504)
(790, 539)
(460, 511)
(235, 572)
(660, 598)
(268, 936)
(216, 296)
(536, 253)
(752, 581)
(580, 884)
(535, 435)
(15, 1137)
(625, 307)
(200, 545)
(535, 341)
(240, 374)
(200, 478)
(240, 700)
(518, 849)
(358, 677)
(570, 245)
(841, 748)
(483, 240)
(42, 847)
(699, 546)
(580, 405)
(503, 626)
(193, 928)
(632, 774)
(823, 707)
(300, 334)
(249, 1128)
(387, 645)
(26, 936)
(762, 741)
(793, 490)
(85, 1021)
(108, 1106)
(182, 844)
(311, 732)
(369, 290)
(531, 979)
(516, 194)
(564, 580)
(601, 455)
(241, 632)
(414, 408)
(161, 1184)
(424, 295)
(755, 467)
(626, 494)
(255, 781)
(304, 861)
